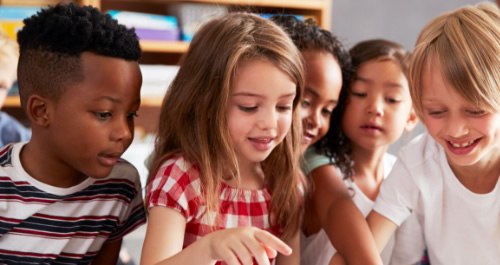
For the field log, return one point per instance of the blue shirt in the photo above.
(11, 130)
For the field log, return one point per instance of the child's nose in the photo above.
(375, 106)
(456, 126)
(268, 120)
(314, 119)
(122, 131)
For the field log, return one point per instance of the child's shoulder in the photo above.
(178, 168)
(421, 149)
(124, 170)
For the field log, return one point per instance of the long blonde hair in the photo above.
(193, 118)
(466, 42)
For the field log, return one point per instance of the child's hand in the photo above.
(244, 244)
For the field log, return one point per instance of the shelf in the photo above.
(164, 46)
(45, 2)
(12, 101)
(28, 2)
(320, 9)
(171, 52)
(297, 4)
(151, 102)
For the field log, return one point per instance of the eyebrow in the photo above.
(116, 100)
(386, 84)
(248, 94)
(316, 95)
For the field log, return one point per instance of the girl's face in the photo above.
(260, 110)
(323, 83)
(379, 105)
(469, 135)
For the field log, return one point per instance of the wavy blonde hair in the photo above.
(466, 43)
(193, 117)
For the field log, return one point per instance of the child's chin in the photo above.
(101, 174)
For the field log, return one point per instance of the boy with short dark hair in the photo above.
(66, 196)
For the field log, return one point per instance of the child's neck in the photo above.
(41, 167)
(251, 177)
(481, 177)
(368, 169)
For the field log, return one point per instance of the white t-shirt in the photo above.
(316, 249)
(459, 226)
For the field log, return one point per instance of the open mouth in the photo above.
(462, 145)
(263, 143)
(309, 136)
(461, 148)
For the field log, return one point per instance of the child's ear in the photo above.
(412, 120)
(37, 109)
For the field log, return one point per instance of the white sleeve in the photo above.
(409, 244)
(398, 194)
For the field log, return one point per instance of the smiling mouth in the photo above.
(462, 148)
(463, 145)
(309, 135)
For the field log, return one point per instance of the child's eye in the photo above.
(358, 94)
(435, 113)
(284, 108)
(132, 115)
(326, 112)
(476, 112)
(392, 100)
(247, 108)
(306, 103)
(104, 115)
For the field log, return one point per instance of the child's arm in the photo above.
(108, 254)
(382, 229)
(340, 218)
(294, 258)
(165, 236)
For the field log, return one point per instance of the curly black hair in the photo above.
(335, 143)
(52, 40)
(308, 36)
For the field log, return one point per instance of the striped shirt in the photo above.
(43, 224)
(177, 185)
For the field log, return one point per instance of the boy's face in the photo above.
(469, 135)
(8, 73)
(92, 123)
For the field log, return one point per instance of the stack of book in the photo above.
(156, 79)
(192, 16)
(149, 26)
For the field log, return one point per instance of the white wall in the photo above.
(397, 20)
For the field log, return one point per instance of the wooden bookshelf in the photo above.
(170, 52)
(319, 9)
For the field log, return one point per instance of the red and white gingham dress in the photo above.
(177, 185)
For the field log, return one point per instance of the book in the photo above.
(149, 26)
